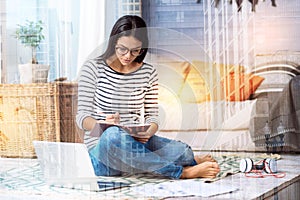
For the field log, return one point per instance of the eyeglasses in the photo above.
(124, 50)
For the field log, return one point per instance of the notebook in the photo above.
(132, 129)
(68, 165)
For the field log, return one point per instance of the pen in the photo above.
(105, 112)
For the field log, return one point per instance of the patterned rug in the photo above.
(24, 180)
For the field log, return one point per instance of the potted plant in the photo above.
(31, 35)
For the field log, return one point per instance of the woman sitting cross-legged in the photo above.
(119, 88)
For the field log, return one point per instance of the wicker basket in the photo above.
(69, 131)
(43, 111)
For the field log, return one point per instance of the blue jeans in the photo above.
(118, 152)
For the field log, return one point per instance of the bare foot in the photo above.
(203, 170)
(203, 158)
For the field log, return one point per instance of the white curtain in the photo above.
(92, 28)
(80, 29)
(63, 37)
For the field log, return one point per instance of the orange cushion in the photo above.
(241, 89)
(247, 84)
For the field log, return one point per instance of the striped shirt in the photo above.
(102, 90)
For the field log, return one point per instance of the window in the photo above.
(182, 22)
(132, 7)
(73, 29)
(58, 49)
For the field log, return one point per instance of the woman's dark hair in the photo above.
(128, 25)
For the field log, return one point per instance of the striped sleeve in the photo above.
(86, 91)
(151, 99)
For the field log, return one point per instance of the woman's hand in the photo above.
(142, 137)
(113, 118)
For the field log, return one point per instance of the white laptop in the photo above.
(69, 165)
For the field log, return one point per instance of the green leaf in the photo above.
(30, 34)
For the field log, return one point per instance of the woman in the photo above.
(118, 87)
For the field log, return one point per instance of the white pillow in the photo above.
(221, 115)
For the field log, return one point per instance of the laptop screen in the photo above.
(60, 160)
(69, 165)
